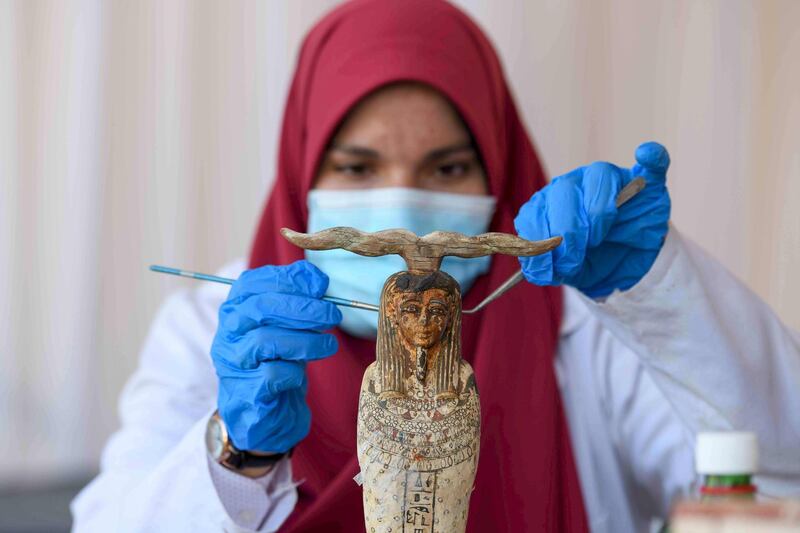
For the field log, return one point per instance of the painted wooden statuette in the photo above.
(418, 413)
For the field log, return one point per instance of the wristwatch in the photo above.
(223, 451)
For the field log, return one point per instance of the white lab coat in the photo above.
(689, 348)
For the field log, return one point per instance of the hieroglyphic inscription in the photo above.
(419, 502)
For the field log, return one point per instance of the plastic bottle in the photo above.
(727, 461)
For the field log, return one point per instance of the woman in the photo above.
(399, 116)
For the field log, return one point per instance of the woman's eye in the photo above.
(453, 169)
(410, 309)
(354, 169)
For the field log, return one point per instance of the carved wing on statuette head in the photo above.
(420, 253)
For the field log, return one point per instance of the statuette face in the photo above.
(419, 344)
(421, 317)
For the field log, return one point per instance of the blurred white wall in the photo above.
(144, 132)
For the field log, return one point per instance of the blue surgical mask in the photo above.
(361, 278)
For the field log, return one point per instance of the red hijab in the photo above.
(526, 478)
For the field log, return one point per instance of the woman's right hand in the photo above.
(270, 326)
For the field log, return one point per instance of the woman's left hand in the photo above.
(604, 248)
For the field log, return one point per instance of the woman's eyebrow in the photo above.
(353, 149)
(445, 151)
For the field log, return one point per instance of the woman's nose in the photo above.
(402, 177)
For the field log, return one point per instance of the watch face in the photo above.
(215, 439)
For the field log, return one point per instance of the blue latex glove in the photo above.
(604, 248)
(270, 326)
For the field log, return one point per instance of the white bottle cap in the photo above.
(726, 453)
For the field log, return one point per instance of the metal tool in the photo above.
(227, 281)
(629, 191)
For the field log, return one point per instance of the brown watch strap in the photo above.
(239, 459)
